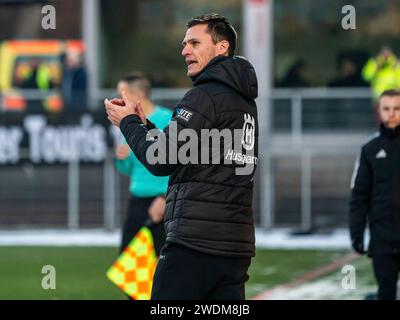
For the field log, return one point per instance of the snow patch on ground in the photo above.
(324, 289)
(50, 237)
(268, 239)
(283, 239)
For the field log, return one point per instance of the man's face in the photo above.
(198, 49)
(386, 52)
(389, 111)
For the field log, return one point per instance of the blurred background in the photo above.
(316, 104)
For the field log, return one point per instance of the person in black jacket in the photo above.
(208, 216)
(376, 197)
(75, 82)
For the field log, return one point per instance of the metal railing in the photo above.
(296, 140)
(299, 136)
(59, 197)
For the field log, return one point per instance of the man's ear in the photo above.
(223, 48)
(141, 95)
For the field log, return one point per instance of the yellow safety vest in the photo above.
(382, 75)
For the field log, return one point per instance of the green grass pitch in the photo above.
(80, 271)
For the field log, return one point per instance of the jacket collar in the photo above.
(388, 132)
(214, 61)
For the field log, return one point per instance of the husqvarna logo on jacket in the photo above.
(249, 129)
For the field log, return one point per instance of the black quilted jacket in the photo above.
(209, 205)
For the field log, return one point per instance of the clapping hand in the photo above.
(117, 109)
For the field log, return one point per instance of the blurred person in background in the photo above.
(375, 197)
(349, 77)
(382, 72)
(34, 75)
(27, 75)
(349, 74)
(74, 83)
(295, 76)
(147, 192)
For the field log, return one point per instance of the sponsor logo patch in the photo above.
(183, 114)
(381, 154)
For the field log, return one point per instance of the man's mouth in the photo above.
(190, 62)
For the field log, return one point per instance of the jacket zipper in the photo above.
(175, 196)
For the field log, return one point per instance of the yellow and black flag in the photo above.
(133, 270)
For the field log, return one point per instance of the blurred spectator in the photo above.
(350, 77)
(295, 76)
(74, 84)
(383, 72)
(34, 75)
(349, 74)
(27, 77)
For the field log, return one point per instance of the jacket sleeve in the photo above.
(158, 150)
(361, 186)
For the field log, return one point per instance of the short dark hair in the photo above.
(140, 81)
(219, 28)
(390, 93)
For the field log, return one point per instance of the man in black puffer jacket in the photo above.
(376, 197)
(208, 218)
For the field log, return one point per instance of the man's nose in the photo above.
(185, 51)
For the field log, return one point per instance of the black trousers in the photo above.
(136, 217)
(386, 270)
(186, 274)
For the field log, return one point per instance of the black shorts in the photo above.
(136, 217)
